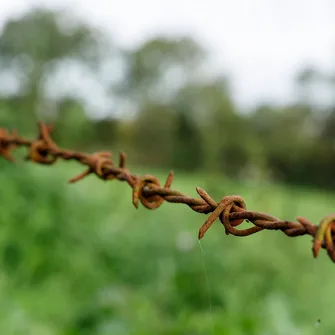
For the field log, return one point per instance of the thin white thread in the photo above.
(207, 285)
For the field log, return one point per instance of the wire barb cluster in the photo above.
(230, 210)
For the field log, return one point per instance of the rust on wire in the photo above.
(230, 210)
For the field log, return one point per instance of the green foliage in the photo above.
(19, 38)
(181, 115)
(80, 259)
(188, 147)
(156, 66)
(34, 46)
(72, 127)
(151, 137)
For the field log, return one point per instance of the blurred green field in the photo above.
(80, 259)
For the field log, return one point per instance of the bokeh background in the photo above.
(237, 98)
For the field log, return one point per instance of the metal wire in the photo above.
(230, 210)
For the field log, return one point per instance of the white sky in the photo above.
(259, 43)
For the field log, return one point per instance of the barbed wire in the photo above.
(230, 210)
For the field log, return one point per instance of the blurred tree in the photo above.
(151, 135)
(327, 131)
(185, 117)
(72, 127)
(315, 88)
(220, 126)
(157, 69)
(288, 137)
(304, 80)
(188, 147)
(165, 131)
(35, 45)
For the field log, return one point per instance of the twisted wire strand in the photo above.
(146, 189)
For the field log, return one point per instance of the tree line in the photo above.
(164, 108)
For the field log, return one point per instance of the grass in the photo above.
(80, 259)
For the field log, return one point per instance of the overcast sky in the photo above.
(260, 43)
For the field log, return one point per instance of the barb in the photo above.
(230, 210)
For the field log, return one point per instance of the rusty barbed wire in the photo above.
(230, 210)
